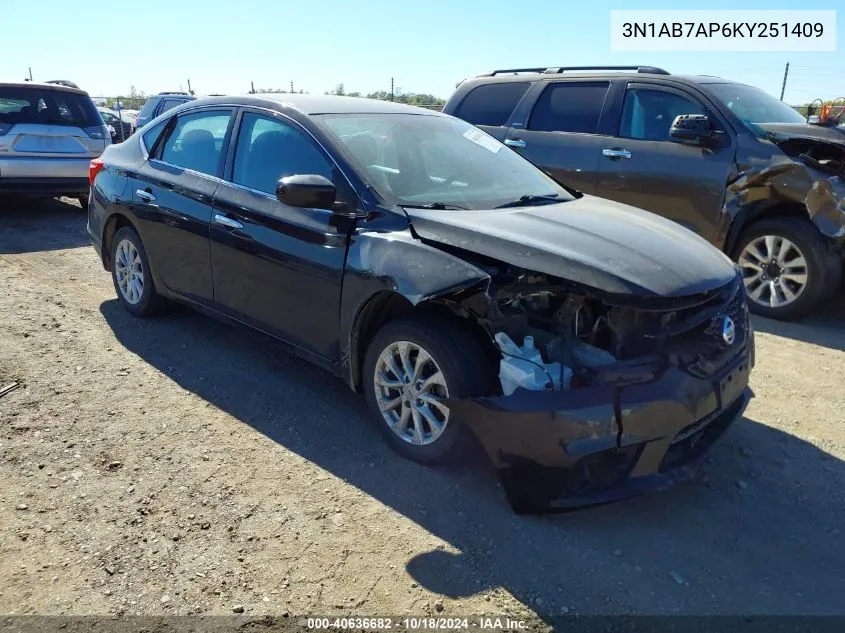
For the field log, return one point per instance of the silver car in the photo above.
(48, 136)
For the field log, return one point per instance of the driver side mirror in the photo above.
(694, 128)
(307, 190)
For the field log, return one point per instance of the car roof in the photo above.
(576, 76)
(42, 86)
(317, 104)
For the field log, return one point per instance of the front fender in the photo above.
(396, 262)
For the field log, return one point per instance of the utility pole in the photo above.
(391, 88)
(252, 87)
(189, 87)
(291, 87)
(785, 74)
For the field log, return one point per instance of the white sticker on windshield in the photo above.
(480, 138)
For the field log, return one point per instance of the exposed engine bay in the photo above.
(826, 157)
(571, 333)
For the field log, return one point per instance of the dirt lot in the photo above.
(179, 466)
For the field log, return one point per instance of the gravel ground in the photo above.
(180, 466)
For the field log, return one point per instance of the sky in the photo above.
(425, 46)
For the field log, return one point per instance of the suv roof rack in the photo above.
(554, 70)
(172, 92)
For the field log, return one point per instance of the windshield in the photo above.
(419, 160)
(24, 104)
(752, 105)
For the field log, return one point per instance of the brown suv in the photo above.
(726, 160)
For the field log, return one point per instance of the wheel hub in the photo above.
(410, 388)
(773, 271)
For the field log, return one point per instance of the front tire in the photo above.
(131, 275)
(788, 267)
(411, 365)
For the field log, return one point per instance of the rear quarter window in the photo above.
(491, 104)
(150, 137)
(569, 107)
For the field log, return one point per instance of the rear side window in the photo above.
(569, 107)
(196, 141)
(26, 104)
(491, 104)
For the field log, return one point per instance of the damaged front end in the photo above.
(604, 396)
(809, 171)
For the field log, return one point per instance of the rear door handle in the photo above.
(515, 142)
(146, 196)
(229, 223)
(616, 153)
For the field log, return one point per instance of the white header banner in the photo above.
(720, 31)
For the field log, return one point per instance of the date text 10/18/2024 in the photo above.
(483, 623)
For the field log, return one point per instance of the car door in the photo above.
(559, 134)
(279, 267)
(645, 167)
(172, 198)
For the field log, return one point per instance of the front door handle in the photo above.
(616, 153)
(146, 196)
(515, 142)
(228, 222)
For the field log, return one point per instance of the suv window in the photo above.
(491, 104)
(23, 104)
(569, 107)
(167, 104)
(648, 114)
(196, 141)
(268, 149)
(148, 108)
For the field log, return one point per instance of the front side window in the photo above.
(269, 149)
(196, 141)
(420, 160)
(491, 104)
(569, 107)
(648, 114)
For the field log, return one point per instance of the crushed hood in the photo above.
(783, 131)
(592, 241)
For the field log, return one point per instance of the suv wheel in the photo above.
(787, 267)
(131, 274)
(411, 366)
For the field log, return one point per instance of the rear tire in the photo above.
(788, 267)
(465, 372)
(131, 275)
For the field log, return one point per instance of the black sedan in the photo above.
(594, 350)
